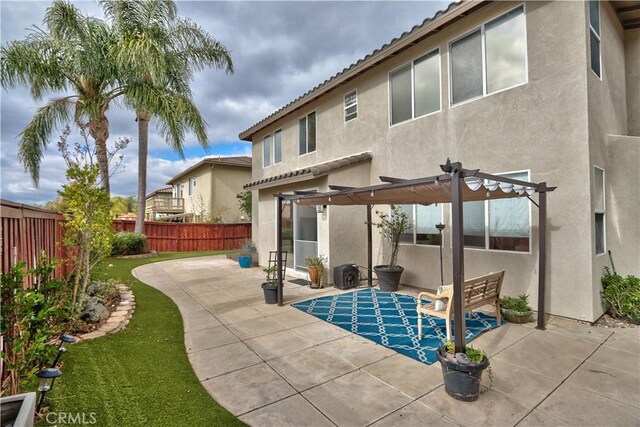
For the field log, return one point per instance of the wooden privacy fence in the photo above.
(26, 231)
(177, 237)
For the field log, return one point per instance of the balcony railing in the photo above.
(172, 204)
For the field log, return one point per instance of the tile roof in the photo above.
(159, 190)
(310, 172)
(239, 161)
(454, 11)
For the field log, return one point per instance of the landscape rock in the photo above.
(94, 312)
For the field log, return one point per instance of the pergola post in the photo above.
(542, 253)
(457, 236)
(279, 250)
(369, 247)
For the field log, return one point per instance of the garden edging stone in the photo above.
(118, 319)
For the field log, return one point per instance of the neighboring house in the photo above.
(161, 203)
(542, 91)
(208, 189)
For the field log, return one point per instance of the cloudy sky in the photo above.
(280, 50)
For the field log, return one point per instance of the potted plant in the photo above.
(270, 287)
(245, 259)
(516, 310)
(462, 372)
(391, 227)
(315, 267)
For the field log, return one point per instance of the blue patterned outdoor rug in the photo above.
(391, 320)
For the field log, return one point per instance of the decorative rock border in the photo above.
(118, 319)
(150, 254)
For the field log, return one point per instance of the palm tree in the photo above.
(69, 55)
(156, 55)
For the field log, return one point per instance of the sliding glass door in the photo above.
(299, 234)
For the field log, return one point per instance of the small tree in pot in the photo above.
(315, 266)
(391, 227)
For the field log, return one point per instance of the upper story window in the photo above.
(594, 37)
(180, 191)
(192, 184)
(415, 88)
(307, 136)
(266, 151)
(489, 59)
(277, 147)
(599, 209)
(502, 224)
(423, 220)
(350, 106)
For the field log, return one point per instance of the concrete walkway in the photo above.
(277, 366)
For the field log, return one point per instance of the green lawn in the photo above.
(139, 376)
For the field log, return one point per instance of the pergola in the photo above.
(456, 185)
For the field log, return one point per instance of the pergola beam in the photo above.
(391, 179)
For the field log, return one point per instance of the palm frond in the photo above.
(198, 48)
(34, 138)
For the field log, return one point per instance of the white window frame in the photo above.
(484, 59)
(598, 35)
(274, 147)
(413, 89)
(192, 184)
(292, 271)
(600, 211)
(415, 233)
(487, 237)
(345, 106)
(306, 116)
(268, 155)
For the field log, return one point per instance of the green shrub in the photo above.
(519, 303)
(126, 243)
(621, 296)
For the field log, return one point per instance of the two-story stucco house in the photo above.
(207, 190)
(539, 91)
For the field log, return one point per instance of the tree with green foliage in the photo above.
(121, 205)
(69, 54)
(87, 228)
(244, 201)
(156, 55)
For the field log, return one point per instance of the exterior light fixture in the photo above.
(65, 342)
(372, 193)
(47, 377)
(329, 198)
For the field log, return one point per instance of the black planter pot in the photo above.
(462, 382)
(388, 277)
(270, 293)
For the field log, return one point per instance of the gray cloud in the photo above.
(280, 50)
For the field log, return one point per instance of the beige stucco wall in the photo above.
(227, 182)
(623, 202)
(541, 126)
(632, 74)
(608, 115)
(215, 190)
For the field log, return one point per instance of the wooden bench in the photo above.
(477, 292)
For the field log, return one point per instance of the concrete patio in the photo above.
(278, 366)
